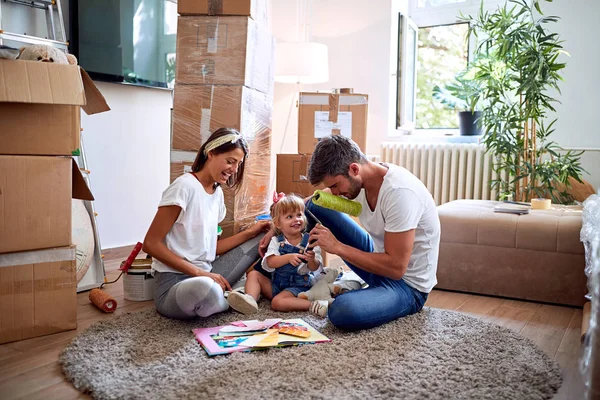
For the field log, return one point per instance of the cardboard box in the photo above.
(292, 174)
(224, 51)
(39, 106)
(35, 201)
(257, 9)
(39, 293)
(199, 110)
(324, 114)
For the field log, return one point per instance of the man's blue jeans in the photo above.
(384, 300)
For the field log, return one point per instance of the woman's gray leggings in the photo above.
(181, 296)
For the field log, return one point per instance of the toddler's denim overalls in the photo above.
(287, 276)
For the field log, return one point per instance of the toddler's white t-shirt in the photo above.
(193, 237)
(404, 203)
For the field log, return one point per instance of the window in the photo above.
(432, 48)
(442, 53)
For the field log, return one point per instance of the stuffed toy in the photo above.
(43, 53)
(323, 287)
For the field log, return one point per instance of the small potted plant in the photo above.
(461, 95)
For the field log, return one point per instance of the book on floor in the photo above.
(257, 335)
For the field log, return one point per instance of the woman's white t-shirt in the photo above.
(193, 237)
(404, 203)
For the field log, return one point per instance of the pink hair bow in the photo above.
(277, 196)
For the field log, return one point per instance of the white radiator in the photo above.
(450, 171)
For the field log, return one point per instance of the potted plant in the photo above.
(461, 95)
(517, 68)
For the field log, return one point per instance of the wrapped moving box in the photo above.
(199, 110)
(224, 51)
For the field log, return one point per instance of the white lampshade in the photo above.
(301, 62)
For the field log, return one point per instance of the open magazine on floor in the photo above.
(257, 335)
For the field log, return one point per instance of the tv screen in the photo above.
(130, 41)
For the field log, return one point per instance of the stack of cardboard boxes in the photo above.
(224, 78)
(39, 129)
(320, 115)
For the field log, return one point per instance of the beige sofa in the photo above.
(536, 256)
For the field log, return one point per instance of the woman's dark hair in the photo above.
(235, 180)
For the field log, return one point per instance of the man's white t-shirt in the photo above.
(404, 203)
(193, 237)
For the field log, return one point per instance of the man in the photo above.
(397, 255)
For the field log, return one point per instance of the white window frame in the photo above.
(423, 18)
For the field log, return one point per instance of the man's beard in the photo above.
(354, 188)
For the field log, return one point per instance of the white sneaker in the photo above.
(319, 307)
(340, 287)
(242, 302)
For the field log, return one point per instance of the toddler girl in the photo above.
(290, 260)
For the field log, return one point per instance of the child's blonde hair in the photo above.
(287, 204)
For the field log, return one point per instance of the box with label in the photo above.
(224, 51)
(292, 175)
(40, 106)
(324, 114)
(257, 9)
(39, 293)
(35, 201)
(199, 110)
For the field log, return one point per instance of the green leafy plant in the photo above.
(517, 67)
(462, 94)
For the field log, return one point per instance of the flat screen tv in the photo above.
(128, 41)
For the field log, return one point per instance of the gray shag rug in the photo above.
(435, 354)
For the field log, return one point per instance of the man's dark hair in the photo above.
(333, 156)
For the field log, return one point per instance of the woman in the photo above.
(182, 238)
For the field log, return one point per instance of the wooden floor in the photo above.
(29, 368)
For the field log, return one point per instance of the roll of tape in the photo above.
(541, 204)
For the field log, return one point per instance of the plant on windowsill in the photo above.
(461, 95)
(517, 67)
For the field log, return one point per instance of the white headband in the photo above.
(228, 138)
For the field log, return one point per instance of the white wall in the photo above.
(127, 151)
(578, 123)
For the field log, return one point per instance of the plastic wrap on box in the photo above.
(199, 110)
(237, 107)
(224, 51)
(590, 236)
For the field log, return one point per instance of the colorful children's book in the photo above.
(257, 335)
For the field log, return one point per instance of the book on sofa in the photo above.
(512, 208)
(257, 335)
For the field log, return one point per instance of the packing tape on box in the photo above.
(541, 204)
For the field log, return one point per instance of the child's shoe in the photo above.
(242, 302)
(319, 307)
